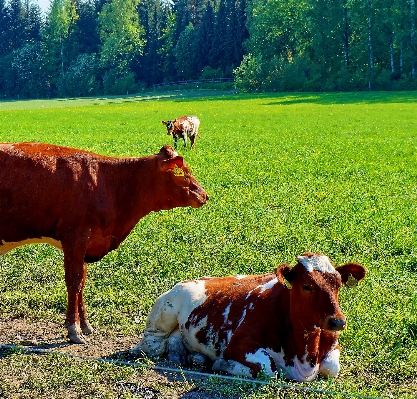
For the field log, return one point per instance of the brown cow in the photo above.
(183, 127)
(247, 324)
(85, 204)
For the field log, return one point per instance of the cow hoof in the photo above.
(176, 351)
(220, 365)
(86, 328)
(198, 361)
(74, 335)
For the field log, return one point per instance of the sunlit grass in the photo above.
(285, 174)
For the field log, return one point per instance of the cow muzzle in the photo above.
(336, 324)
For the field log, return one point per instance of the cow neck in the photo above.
(305, 343)
(297, 340)
(136, 188)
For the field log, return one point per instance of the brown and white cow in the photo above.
(183, 127)
(85, 204)
(249, 324)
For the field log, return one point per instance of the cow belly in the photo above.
(8, 246)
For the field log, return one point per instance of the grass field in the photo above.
(332, 173)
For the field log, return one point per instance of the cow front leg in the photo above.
(248, 364)
(75, 274)
(231, 367)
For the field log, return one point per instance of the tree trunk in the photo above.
(412, 35)
(391, 54)
(345, 37)
(371, 56)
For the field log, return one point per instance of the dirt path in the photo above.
(49, 336)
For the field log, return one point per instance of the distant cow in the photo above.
(248, 324)
(181, 128)
(84, 204)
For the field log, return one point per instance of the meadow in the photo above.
(286, 173)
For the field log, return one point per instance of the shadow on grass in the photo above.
(377, 97)
(271, 99)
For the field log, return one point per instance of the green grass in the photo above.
(333, 173)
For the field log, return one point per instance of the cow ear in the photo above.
(285, 274)
(170, 164)
(164, 123)
(351, 274)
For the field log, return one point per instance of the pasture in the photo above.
(286, 173)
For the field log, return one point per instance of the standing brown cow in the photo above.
(84, 204)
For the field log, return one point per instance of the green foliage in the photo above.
(80, 78)
(121, 34)
(333, 173)
(185, 50)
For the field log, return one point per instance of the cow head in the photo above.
(169, 125)
(315, 284)
(179, 186)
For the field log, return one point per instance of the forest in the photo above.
(92, 47)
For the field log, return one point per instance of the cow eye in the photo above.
(307, 288)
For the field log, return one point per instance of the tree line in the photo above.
(90, 47)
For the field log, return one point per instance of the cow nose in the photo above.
(337, 324)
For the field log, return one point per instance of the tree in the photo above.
(120, 33)
(57, 34)
(185, 52)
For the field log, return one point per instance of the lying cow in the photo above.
(248, 324)
(181, 128)
(84, 204)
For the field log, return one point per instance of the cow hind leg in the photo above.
(161, 322)
(84, 323)
(176, 351)
(192, 138)
(75, 274)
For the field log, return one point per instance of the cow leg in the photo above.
(192, 138)
(75, 273)
(231, 367)
(84, 323)
(175, 142)
(161, 322)
(176, 351)
(330, 367)
(248, 363)
(184, 137)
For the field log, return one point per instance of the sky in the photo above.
(44, 5)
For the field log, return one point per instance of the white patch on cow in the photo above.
(171, 310)
(320, 263)
(301, 371)
(226, 312)
(241, 319)
(268, 285)
(330, 366)
(8, 246)
(261, 357)
(240, 276)
(263, 287)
